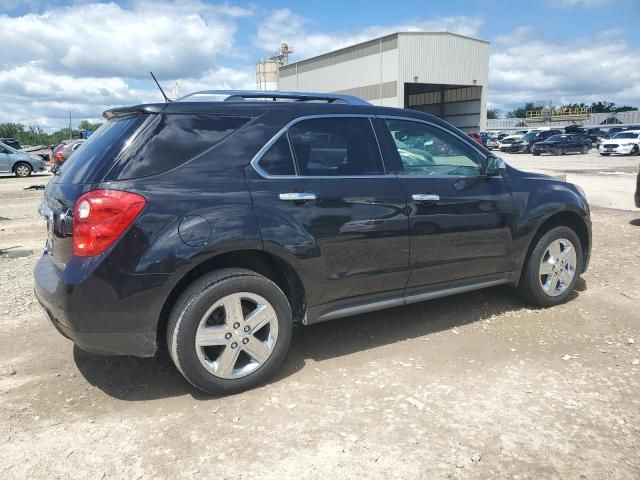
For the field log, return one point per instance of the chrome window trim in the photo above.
(255, 161)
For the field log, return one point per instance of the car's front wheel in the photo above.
(229, 331)
(22, 170)
(553, 267)
(634, 150)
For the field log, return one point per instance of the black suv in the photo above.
(217, 226)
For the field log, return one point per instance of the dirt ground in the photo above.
(479, 386)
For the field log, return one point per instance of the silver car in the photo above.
(19, 163)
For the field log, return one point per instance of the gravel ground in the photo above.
(480, 388)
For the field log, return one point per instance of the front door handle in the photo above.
(425, 197)
(297, 196)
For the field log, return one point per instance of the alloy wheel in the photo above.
(558, 267)
(22, 171)
(236, 335)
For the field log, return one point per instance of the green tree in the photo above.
(493, 113)
(521, 112)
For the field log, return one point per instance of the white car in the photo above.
(623, 143)
(506, 142)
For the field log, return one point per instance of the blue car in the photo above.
(19, 163)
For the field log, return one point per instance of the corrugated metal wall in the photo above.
(378, 69)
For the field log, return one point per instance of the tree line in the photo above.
(33, 135)
(595, 107)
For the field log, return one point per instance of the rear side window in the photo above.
(278, 159)
(172, 139)
(336, 147)
(102, 146)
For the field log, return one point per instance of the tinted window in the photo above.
(336, 147)
(170, 140)
(278, 159)
(102, 146)
(426, 150)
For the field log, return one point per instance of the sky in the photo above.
(86, 56)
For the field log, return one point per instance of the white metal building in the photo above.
(437, 72)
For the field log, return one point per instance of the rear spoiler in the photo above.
(134, 110)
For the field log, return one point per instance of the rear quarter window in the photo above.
(171, 139)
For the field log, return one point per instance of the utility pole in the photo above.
(70, 132)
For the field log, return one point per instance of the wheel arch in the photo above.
(21, 162)
(566, 218)
(269, 265)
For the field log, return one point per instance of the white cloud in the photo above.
(283, 25)
(580, 71)
(106, 39)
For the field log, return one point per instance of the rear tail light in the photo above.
(58, 158)
(100, 217)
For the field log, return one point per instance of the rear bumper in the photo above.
(97, 317)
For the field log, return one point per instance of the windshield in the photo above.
(555, 138)
(626, 135)
(530, 136)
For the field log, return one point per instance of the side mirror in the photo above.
(495, 167)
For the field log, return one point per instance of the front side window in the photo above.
(341, 146)
(425, 150)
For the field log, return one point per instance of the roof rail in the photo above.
(243, 95)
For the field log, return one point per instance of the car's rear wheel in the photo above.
(553, 268)
(229, 331)
(22, 170)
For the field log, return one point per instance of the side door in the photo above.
(460, 219)
(6, 159)
(324, 202)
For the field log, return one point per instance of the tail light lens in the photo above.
(100, 217)
(58, 158)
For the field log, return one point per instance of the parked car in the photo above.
(492, 143)
(219, 225)
(475, 136)
(524, 144)
(623, 143)
(575, 129)
(594, 134)
(19, 163)
(561, 144)
(11, 142)
(505, 144)
(63, 151)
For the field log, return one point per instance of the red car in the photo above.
(475, 136)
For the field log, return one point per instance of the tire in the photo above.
(214, 368)
(634, 150)
(604, 154)
(531, 286)
(585, 149)
(536, 154)
(22, 170)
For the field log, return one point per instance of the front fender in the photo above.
(539, 201)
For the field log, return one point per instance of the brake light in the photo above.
(58, 158)
(100, 217)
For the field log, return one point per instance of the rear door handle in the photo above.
(425, 197)
(297, 196)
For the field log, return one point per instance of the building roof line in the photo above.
(383, 37)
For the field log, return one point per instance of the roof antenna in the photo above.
(166, 99)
